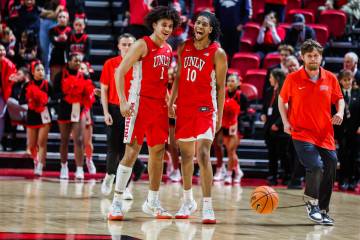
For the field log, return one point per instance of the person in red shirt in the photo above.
(277, 6)
(200, 93)
(309, 94)
(145, 109)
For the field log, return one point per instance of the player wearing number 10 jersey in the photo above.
(200, 91)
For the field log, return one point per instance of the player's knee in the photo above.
(203, 157)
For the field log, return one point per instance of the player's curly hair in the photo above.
(214, 23)
(162, 12)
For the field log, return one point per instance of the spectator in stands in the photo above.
(276, 139)
(285, 51)
(298, 33)
(350, 63)
(6, 69)
(350, 7)
(8, 40)
(232, 16)
(277, 6)
(26, 49)
(270, 35)
(137, 10)
(348, 133)
(88, 131)
(75, 8)
(79, 41)
(51, 9)
(35, 94)
(59, 37)
(292, 64)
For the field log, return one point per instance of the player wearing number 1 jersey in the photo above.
(145, 110)
(200, 91)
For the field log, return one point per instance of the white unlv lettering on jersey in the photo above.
(194, 61)
(161, 60)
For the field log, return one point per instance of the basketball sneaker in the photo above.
(238, 175)
(64, 171)
(208, 216)
(107, 184)
(116, 211)
(228, 180)
(326, 220)
(187, 208)
(127, 195)
(79, 174)
(175, 175)
(156, 210)
(38, 168)
(314, 213)
(220, 174)
(91, 166)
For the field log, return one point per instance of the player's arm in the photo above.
(220, 74)
(338, 117)
(135, 53)
(175, 86)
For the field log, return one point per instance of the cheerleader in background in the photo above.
(88, 132)
(74, 93)
(35, 94)
(79, 41)
(231, 136)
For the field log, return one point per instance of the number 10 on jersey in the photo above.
(191, 75)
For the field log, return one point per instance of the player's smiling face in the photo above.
(163, 28)
(202, 28)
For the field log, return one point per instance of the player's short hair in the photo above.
(125, 35)
(311, 45)
(162, 12)
(214, 23)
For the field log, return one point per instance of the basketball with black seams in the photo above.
(264, 200)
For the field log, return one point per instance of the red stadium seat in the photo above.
(246, 45)
(271, 59)
(249, 91)
(314, 5)
(258, 9)
(293, 4)
(256, 77)
(202, 5)
(285, 26)
(308, 14)
(245, 61)
(250, 34)
(232, 71)
(322, 33)
(335, 20)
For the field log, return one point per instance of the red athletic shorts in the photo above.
(150, 120)
(195, 123)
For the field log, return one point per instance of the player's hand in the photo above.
(287, 128)
(358, 131)
(108, 119)
(125, 109)
(263, 117)
(274, 128)
(172, 111)
(337, 118)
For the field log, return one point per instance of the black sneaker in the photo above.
(314, 213)
(327, 221)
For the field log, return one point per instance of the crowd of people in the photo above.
(46, 75)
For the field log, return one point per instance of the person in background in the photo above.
(351, 60)
(79, 41)
(277, 6)
(26, 49)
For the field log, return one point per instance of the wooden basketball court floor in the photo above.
(48, 208)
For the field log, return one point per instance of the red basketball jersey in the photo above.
(197, 84)
(150, 74)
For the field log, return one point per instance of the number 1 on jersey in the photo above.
(191, 75)
(162, 73)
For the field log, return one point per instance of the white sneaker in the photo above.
(175, 176)
(91, 167)
(107, 184)
(127, 195)
(208, 216)
(38, 168)
(116, 211)
(64, 172)
(156, 210)
(219, 176)
(228, 180)
(238, 176)
(187, 208)
(79, 174)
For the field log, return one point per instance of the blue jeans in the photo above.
(320, 165)
(45, 25)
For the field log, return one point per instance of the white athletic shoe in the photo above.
(91, 167)
(156, 210)
(228, 180)
(175, 176)
(127, 195)
(208, 216)
(38, 168)
(116, 212)
(220, 174)
(64, 172)
(107, 184)
(79, 174)
(187, 208)
(238, 176)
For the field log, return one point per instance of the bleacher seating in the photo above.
(245, 61)
(256, 77)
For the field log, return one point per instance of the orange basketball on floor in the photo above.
(264, 200)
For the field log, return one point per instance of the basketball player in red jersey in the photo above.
(200, 90)
(145, 110)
